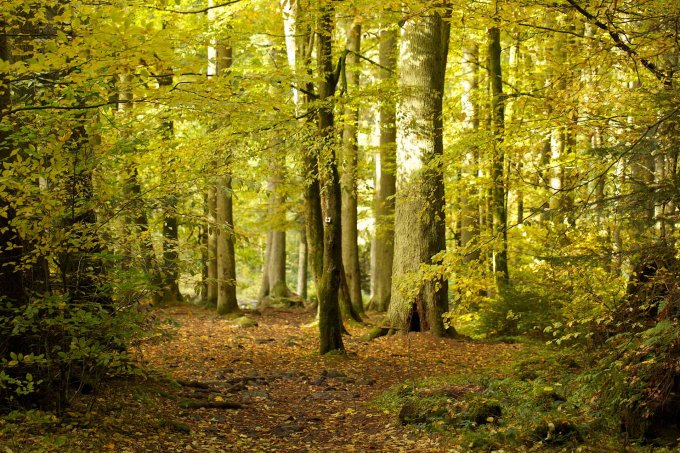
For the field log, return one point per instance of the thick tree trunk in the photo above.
(419, 214)
(385, 179)
(350, 149)
(330, 322)
(226, 258)
(277, 266)
(499, 199)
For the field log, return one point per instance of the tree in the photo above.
(419, 234)
(224, 217)
(386, 167)
(350, 149)
(499, 197)
(330, 322)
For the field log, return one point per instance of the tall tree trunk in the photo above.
(276, 258)
(385, 178)
(170, 292)
(470, 206)
(226, 257)
(350, 148)
(302, 265)
(330, 322)
(419, 214)
(211, 299)
(137, 221)
(499, 199)
(264, 285)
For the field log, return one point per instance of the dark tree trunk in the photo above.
(330, 322)
(350, 151)
(500, 214)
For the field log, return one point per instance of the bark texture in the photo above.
(419, 213)
(330, 322)
(499, 201)
(350, 151)
(226, 257)
(386, 179)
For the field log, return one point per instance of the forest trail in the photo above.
(291, 398)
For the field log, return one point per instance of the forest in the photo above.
(318, 225)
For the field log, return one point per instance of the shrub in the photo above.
(52, 349)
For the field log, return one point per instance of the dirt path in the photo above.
(295, 400)
(292, 399)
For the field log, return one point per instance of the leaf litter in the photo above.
(216, 387)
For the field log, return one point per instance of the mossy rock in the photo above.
(485, 412)
(556, 433)
(421, 411)
(245, 322)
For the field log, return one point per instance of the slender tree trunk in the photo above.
(499, 199)
(276, 263)
(420, 223)
(138, 221)
(212, 245)
(470, 206)
(302, 265)
(386, 178)
(264, 285)
(350, 149)
(226, 257)
(170, 270)
(330, 322)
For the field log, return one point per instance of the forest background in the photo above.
(477, 168)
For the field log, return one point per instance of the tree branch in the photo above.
(617, 37)
(194, 11)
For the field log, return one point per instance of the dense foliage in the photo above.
(128, 127)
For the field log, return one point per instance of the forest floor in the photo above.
(211, 385)
(290, 398)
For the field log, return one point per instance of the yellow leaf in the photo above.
(219, 398)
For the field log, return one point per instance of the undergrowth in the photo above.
(538, 404)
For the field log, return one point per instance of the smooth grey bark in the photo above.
(383, 244)
(264, 285)
(275, 267)
(350, 151)
(226, 256)
(419, 213)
